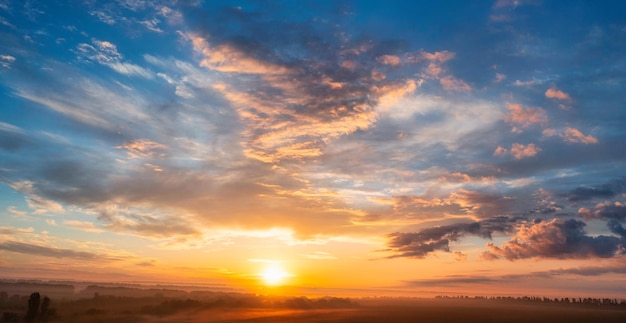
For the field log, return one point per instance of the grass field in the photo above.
(414, 310)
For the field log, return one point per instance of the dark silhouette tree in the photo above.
(33, 307)
(45, 308)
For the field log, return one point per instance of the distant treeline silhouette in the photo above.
(37, 309)
(533, 299)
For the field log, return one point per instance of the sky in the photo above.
(344, 147)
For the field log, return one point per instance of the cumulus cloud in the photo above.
(555, 239)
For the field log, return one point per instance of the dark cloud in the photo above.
(589, 270)
(556, 239)
(452, 280)
(32, 249)
(588, 193)
(144, 223)
(11, 138)
(614, 213)
(420, 244)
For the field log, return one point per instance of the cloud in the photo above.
(12, 210)
(106, 53)
(34, 199)
(555, 239)
(606, 211)
(571, 135)
(320, 255)
(452, 280)
(575, 136)
(13, 138)
(452, 83)
(525, 116)
(37, 250)
(615, 213)
(130, 69)
(147, 223)
(142, 148)
(420, 244)
(518, 151)
(587, 193)
(554, 93)
(605, 191)
(15, 231)
(229, 59)
(84, 226)
(507, 3)
(390, 60)
(6, 60)
(308, 108)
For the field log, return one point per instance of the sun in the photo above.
(274, 275)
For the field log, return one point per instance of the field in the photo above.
(131, 303)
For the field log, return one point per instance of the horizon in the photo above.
(357, 147)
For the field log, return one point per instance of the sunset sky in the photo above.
(339, 147)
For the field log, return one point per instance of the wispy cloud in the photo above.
(82, 225)
(37, 250)
(6, 60)
(106, 53)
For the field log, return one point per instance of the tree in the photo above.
(45, 308)
(33, 306)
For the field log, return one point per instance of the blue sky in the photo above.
(478, 138)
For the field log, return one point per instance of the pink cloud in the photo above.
(518, 151)
(225, 58)
(440, 57)
(389, 60)
(574, 135)
(554, 93)
(454, 84)
(525, 116)
(434, 69)
(141, 148)
(500, 151)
